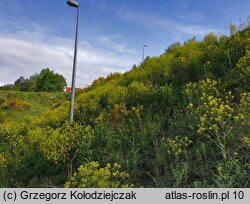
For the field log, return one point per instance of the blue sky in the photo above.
(39, 34)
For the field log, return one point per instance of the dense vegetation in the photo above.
(45, 81)
(17, 105)
(178, 120)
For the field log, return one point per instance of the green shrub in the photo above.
(52, 118)
(242, 72)
(15, 104)
(119, 113)
(64, 144)
(3, 117)
(231, 174)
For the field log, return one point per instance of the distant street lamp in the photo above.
(72, 100)
(143, 51)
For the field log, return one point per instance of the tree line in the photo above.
(45, 81)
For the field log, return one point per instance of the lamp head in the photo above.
(73, 3)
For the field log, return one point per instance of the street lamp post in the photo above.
(72, 100)
(143, 51)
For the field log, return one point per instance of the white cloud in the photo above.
(143, 18)
(27, 47)
(19, 57)
(185, 24)
(195, 30)
(109, 42)
(192, 18)
(24, 54)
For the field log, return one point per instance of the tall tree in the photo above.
(49, 81)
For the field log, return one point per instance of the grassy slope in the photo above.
(137, 145)
(40, 102)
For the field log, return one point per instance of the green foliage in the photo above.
(210, 39)
(155, 71)
(52, 118)
(118, 113)
(45, 81)
(48, 81)
(233, 29)
(242, 71)
(3, 117)
(64, 144)
(98, 81)
(139, 92)
(17, 105)
(117, 95)
(8, 87)
(231, 174)
(186, 63)
(172, 48)
(32, 154)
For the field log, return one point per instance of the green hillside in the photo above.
(16, 105)
(181, 119)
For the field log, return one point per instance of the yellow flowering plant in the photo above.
(91, 175)
(2, 161)
(246, 141)
(15, 104)
(3, 117)
(242, 71)
(229, 173)
(210, 109)
(215, 115)
(176, 146)
(119, 112)
(13, 135)
(243, 112)
(61, 144)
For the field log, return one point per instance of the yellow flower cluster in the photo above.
(201, 88)
(248, 42)
(176, 146)
(10, 130)
(15, 104)
(243, 115)
(248, 167)
(91, 175)
(3, 117)
(210, 110)
(37, 135)
(56, 147)
(120, 112)
(2, 161)
(246, 141)
(137, 110)
(53, 118)
(12, 133)
(219, 169)
(61, 144)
